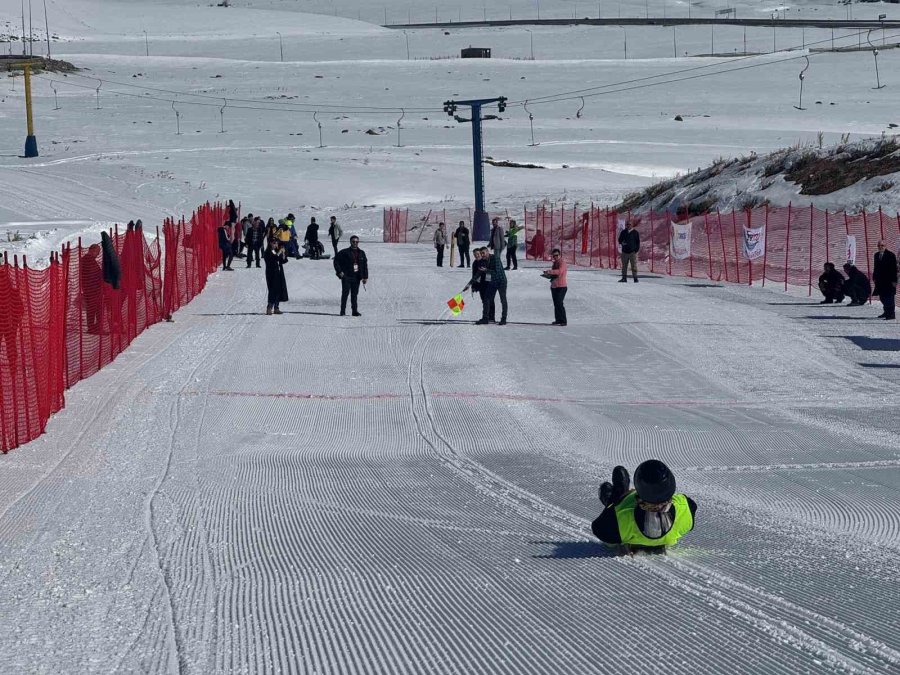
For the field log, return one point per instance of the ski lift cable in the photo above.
(329, 108)
(565, 97)
(216, 102)
(538, 99)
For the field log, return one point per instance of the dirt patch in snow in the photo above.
(823, 175)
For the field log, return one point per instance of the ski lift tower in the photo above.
(481, 226)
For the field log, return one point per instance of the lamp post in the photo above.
(406, 35)
(625, 32)
(531, 39)
(280, 45)
(146, 44)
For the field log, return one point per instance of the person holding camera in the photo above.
(558, 286)
(275, 257)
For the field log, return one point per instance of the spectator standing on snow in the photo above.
(857, 286)
(312, 239)
(440, 243)
(351, 267)
(254, 236)
(558, 287)
(496, 283)
(237, 238)
(276, 284)
(335, 232)
(648, 518)
(271, 229)
(225, 244)
(232, 211)
(512, 243)
(884, 274)
(537, 246)
(498, 236)
(462, 243)
(630, 243)
(90, 275)
(831, 283)
(477, 282)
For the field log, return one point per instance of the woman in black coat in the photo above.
(275, 257)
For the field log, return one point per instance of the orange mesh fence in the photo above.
(63, 323)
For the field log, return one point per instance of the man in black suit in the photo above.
(351, 267)
(884, 274)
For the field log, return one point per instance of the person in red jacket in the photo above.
(558, 286)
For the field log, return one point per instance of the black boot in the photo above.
(621, 482)
(606, 492)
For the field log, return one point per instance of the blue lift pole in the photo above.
(481, 226)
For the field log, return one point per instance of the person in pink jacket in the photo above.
(558, 286)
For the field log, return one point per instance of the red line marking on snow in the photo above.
(308, 396)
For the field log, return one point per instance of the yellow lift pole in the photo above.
(31, 148)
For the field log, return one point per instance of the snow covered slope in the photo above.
(403, 493)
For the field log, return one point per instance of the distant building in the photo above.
(476, 53)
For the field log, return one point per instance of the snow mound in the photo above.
(863, 175)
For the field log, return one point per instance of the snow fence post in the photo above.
(866, 234)
(787, 246)
(809, 292)
(737, 262)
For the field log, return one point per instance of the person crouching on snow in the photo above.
(275, 257)
(648, 518)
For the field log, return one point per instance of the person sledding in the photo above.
(648, 518)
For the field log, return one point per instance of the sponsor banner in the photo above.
(754, 242)
(681, 239)
(851, 249)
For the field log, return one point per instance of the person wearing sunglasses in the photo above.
(558, 286)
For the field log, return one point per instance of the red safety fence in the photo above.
(63, 323)
(192, 254)
(401, 227)
(786, 245)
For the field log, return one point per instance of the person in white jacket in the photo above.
(440, 243)
(335, 232)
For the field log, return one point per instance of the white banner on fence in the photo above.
(754, 242)
(620, 225)
(851, 249)
(681, 239)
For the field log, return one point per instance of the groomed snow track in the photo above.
(405, 493)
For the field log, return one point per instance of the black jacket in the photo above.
(630, 240)
(831, 281)
(606, 527)
(462, 237)
(275, 281)
(255, 235)
(112, 270)
(346, 258)
(479, 273)
(312, 233)
(884, 272)
(857, 285)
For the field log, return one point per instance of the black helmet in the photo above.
(654, 482)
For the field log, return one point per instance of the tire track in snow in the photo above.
(175, 662)
(759, 607)
(729, 595)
